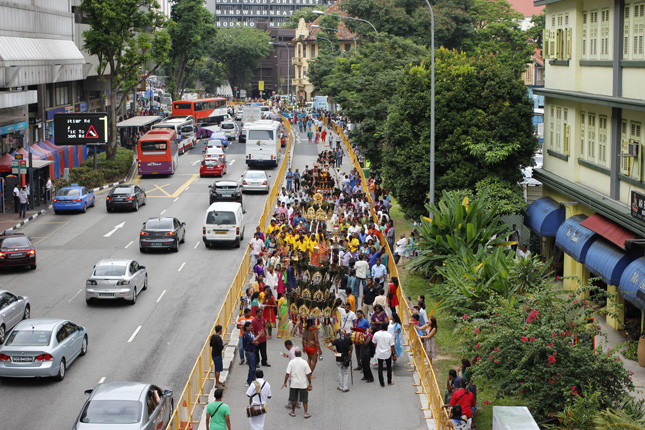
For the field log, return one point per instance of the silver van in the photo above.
(224, 222)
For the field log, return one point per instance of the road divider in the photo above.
(202, 372)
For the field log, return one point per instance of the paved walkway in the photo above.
(364, 406)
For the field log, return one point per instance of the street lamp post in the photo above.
(288, 64)
(329, 41)
(432, 142)
(320, 12)
(336, 29)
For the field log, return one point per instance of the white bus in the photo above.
(185, 128)
(263, 143)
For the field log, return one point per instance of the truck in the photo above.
(251, 114)
(320, 102)
(263, 144)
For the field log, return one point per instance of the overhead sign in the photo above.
(81, 128)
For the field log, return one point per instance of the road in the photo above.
(158, 339)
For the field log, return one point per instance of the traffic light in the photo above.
(234, 91)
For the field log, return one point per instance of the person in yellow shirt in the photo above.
(351, 299)
(312, 243)
(272, 227)
(354, 243)
(303, 243)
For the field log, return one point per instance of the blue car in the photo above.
(73, 198)
(221, 136)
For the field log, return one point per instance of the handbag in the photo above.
(256, 410)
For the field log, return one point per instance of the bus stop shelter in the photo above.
(128, 128)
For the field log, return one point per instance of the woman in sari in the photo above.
(255, 303)
(283, 323)
(269, 310)
(280, 286)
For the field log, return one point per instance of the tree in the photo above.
(306, 12)
(192, 32)
(129, 40)
(498, 32)
(210, 73)
(536, 32)
(483, 133)
(365, 84)
(240, 50)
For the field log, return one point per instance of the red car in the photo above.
(212, 167)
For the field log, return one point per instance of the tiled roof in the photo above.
(343, 33)
(537, 56)
(526, 7)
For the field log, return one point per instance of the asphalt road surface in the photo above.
(156, 340)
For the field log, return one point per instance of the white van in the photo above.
(263, 144)
(224, 222)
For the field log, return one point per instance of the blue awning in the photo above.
(575, 239)
(608, 261)
(544, 216)
(632, 283)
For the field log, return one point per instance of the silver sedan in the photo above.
(42, 347)
(255, 180)
(116, 279)
(13, 309)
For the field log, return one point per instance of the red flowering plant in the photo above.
(538, 347)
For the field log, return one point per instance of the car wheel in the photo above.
(142, 249)
(183, 238)
(145, 200)
(93, 202)
(32, 267)
(136, 205)
(84, 346)
(61, 370)
(175, 247)
(84, 208)
(201, 176)
(27, 313)
(134, 297)
(145, 283)
(88, 301)
(237, 242)
(3, 332)
(109, 209)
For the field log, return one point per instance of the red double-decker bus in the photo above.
(211, 110)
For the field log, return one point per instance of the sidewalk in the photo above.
(11, 221)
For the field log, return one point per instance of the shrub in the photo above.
(107, 171)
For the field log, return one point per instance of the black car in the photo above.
(225, 191)
(160, 233)
(242, 136)
(16, 250)
(127, 196)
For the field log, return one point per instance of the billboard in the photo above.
(81, 128)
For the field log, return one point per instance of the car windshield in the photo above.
(220, 217)
(160, 146)
(226, 187)
(159, 224)
(218, 135)
(228, 126)
(29, 338)
(112, 412)
(214, 150)
(70, 192)
(210, 162)
(122, 190)
(255, 175)
(260, 135)
(109, 270)
(15, 242)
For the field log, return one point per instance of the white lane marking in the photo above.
(176, 199)
(187, 188)
(116, 227)
(196, 245)
(162, 293)
(102, 380)
(77, 293)
(196, 161)
(231, 163)
(134, 334)
(162, 212)
(195, 179)
(131, 242)
(182, 266)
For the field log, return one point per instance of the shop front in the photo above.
(49, 120)
(13, 136)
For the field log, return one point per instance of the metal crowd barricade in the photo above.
(194, 392)
(428, 384)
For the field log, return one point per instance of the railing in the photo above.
(194, 393)
(428, 384)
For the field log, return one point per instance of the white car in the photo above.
(13, 309)
(215, 152)
(230, 129)
(255, 180)
(116, 279)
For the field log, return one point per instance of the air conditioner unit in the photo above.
(633, 148)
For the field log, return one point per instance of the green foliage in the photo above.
(458, 228)
(411, 20)
(580, 413)
(498, 32)
(126, 36)
(306, 12)
(536, 31)
(240, 50)
(210, 73)
(108, 171)
(536, 347)
(484, 133)
(192, 32)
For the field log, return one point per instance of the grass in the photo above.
(447, 345)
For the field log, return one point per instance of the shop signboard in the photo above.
(6, 129)
(638, 205)
(81, 128)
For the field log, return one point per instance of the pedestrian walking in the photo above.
(241, 320)
(218, 414)
(260, 331)
(299, 373)
(338, 141)
(259, 392)
(514, 237)
(48, 189)
(217, 345)
(289, 179)
(296, 180)
(339, 156)
(367, 352)
(23, 198)
(249, 345)
(384, 352)
(16, 199)
(311, 344)
(309, 135)
(342, 347)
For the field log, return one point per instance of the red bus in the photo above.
(158, 152)
(211, 110)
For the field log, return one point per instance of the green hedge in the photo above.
(108, 171)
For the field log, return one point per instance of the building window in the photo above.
(625, 162)
(604, 33)
(639, 26)
(566, 131)
(602, 139)
(591, 136)
(626, 32)
(593, 34)
(557, 40)
(558, 129)
(584, 34)
(313, 50)
(582, 134)
(551, 126)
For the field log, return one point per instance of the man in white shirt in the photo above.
(384, 352)
(524, 252)
(271, 279)
(48, 189)
(361, 267)
(399, 251)
(256, 246)
(259, 392)
(347, 318)
(354, 228)
(299, 373)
